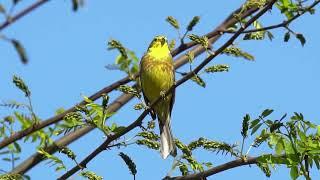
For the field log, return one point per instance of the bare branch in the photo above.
(178, 63)
(22, 13)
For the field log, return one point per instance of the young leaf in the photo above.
(294, 173)
(237, 52)
(190, 56)
(266, 112)
(173, 22)
(90, 175)
(193, 22)
(286, 36)
(138, 106)
(198, 80)
(202, 40)
(255, 128)
(75, 5)
(20, 50)
(114, 44)
(217, 68)
(172, 44)
(131, 165)
(21, 85)
(301, 38)
(245, 126)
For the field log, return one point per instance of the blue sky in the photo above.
(67, 53)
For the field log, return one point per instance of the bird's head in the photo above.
(159, 42)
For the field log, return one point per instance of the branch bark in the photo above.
(180, 61)
(214, 36)
(22, 14)
(217, 169)
(138, 122)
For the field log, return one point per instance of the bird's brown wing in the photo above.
(146, 100)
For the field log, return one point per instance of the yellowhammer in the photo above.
(156, 77)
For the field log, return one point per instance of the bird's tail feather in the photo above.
(167, 145)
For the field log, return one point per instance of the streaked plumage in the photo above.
(156, 77)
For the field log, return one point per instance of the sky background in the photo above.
(68, 52)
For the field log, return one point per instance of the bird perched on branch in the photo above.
(156, 77)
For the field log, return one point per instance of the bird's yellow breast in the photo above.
(157, 77)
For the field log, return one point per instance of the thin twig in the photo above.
(22, 13)
(214, 35)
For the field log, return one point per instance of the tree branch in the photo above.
(217, 169)
(18, 135)
(67, 139)
(214, 35)
(138, 122)
(22, 13)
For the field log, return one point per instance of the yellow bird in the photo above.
(156, 77)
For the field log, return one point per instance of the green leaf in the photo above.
(148, 143)
(318, 130)
(279, 147)
(266, 112)
(6, 159)
(217, 68)
(198, 80)
(193, 22)
(75, 5)
(294, 172)
(301, 39)
(208, 164)
(131, 165)
(265, 168)
(138, 106)
(255, 128)
(17, 147)
(129, 90)
(4, 152)
(90, 175)
(286, 36)
(172, 44)
(270, 35)
(20, 50)
(21, 85)
(254, 123)
(274, 138)
(245, 126)
(202, 40)
(237, 52)
(316, 161)
(114, 44)
(173, 22)
(11, 176)
(190, 56)
(150, 135)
